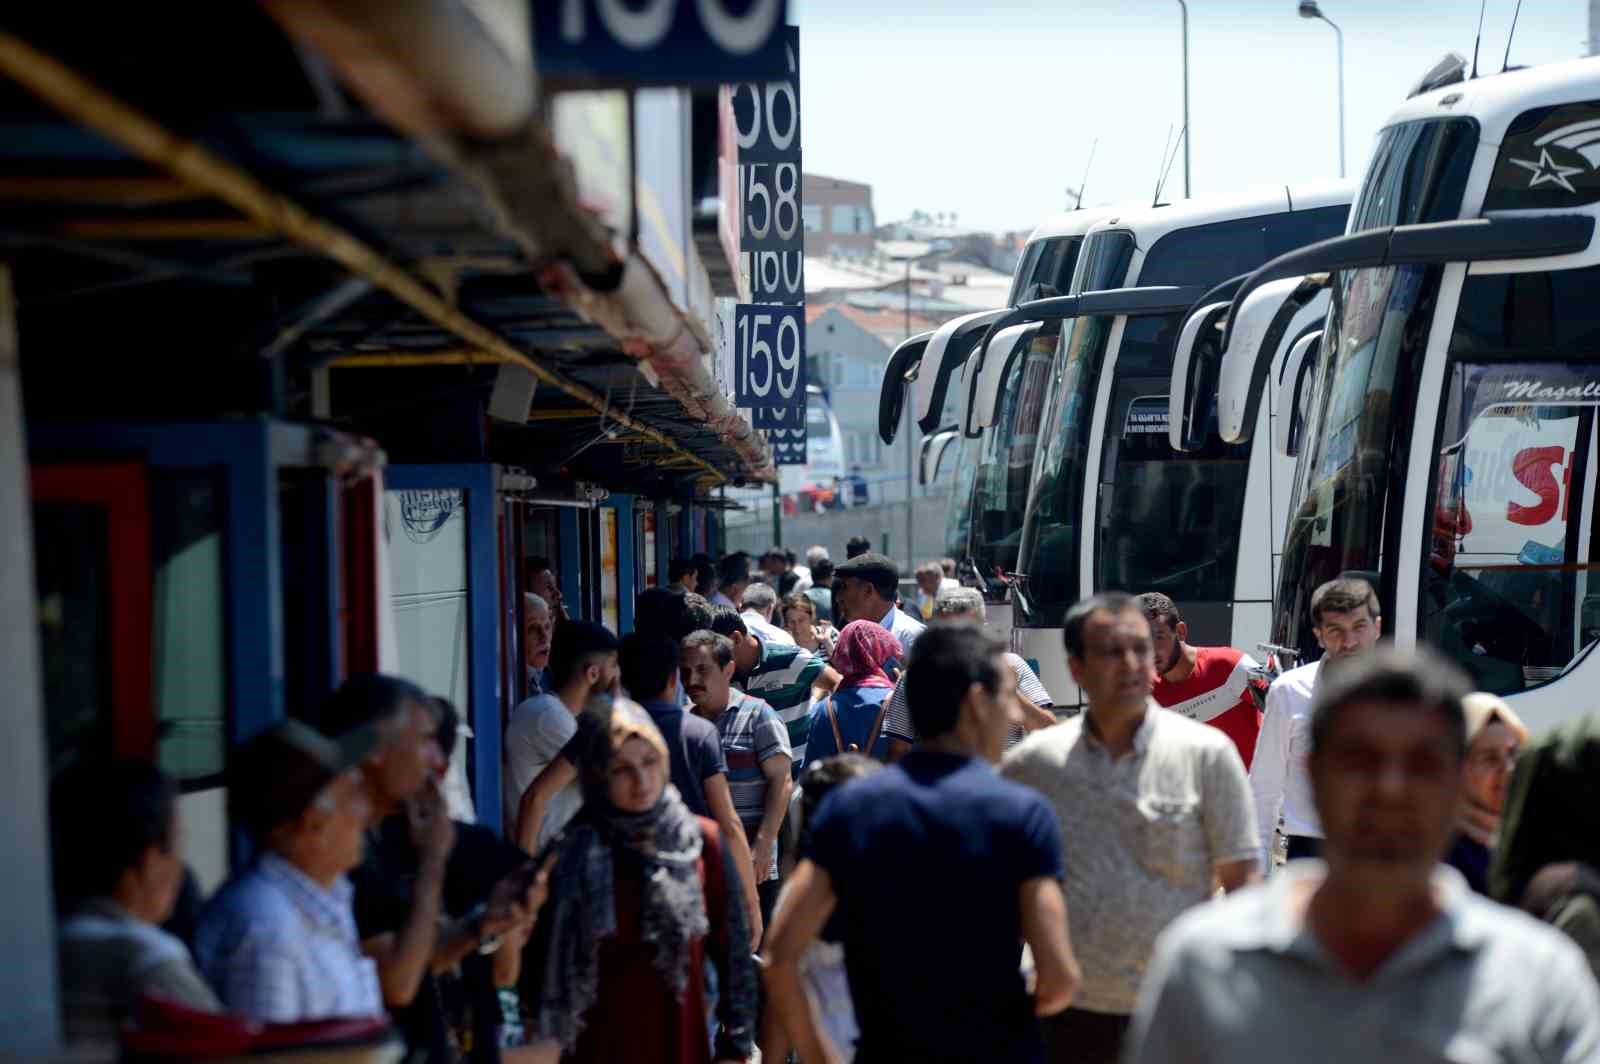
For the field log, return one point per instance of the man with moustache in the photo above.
(1155, 811)
(1346, 621)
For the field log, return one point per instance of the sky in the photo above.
(989, 108)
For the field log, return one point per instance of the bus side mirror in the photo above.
(1288, 413)
(933, 451)
(1195, 362)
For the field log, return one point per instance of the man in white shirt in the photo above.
(583, 662)
(870, 582)
(759, 602)
(1346, 621)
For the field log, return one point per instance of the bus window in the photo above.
(1507, 589)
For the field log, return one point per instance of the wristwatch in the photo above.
(475, 918)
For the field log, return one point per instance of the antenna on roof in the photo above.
(1170, 160)
(1479, 38)
(1506, 65)
(1162, 165)
(1084, 184)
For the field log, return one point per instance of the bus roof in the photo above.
(1496, 100)
(1149, 224)
(1069, 223)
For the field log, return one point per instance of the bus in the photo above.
(1449, 445)
(820, 482)
(1000, 392)
(1112, 505)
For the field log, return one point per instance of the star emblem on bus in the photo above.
(1547, 171)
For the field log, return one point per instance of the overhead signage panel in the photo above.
(777, 417)
(659, 42)
(769, 356)
(788, 445)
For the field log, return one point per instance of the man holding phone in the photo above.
(400, 890)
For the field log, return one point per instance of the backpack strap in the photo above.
(833, 719)
(877, 725)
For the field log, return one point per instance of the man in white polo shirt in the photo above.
(1346, 620)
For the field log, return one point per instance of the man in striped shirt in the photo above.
(755, 745)
(1031, 704)
(784, 676)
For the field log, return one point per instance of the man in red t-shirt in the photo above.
(1208, 684)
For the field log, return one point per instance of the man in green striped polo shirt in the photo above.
(784, 677)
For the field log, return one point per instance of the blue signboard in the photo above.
(777, 417)
(659, 42)
(778, 276)
(766, 114)
(788, 445)
(769, 356)
(766, 118)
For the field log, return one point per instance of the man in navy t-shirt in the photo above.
(891, 852)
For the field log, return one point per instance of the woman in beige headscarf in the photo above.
(1494, 735)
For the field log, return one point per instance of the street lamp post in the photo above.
(1187, 133)
(1309, 9)
(911, 447)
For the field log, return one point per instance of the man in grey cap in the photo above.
(278, 942)
(870, 583)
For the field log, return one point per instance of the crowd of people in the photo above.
(792, 815)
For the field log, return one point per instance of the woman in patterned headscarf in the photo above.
(639, 898)
(851, 718)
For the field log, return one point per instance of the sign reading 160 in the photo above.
(769, 369)
(645, 25)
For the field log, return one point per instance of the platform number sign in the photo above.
(777, 417)
(778, 276)
(788, 445)
(653, 42)
(769, 356)
(766, 118)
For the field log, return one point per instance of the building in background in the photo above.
(838, 217)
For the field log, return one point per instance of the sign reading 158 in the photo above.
(769, 365)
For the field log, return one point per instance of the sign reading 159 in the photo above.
(769, 364)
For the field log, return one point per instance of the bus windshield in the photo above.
(1353, 459)
(1046, 269)
(1005, 462)
(958, 520)
(1505, 591)
(1142, 483)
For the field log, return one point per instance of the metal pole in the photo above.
(911, 421)
(1188, 134)
(1339, 35)
(777, 516)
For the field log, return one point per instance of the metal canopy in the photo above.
(153, 283)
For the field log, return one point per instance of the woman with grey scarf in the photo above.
(639, 900)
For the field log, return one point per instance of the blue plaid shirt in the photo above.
(278, 947)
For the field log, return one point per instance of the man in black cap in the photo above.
(870, 583)
(279, 942)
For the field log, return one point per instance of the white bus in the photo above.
(1449, 440)
(1112, 505)
(998, 393)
